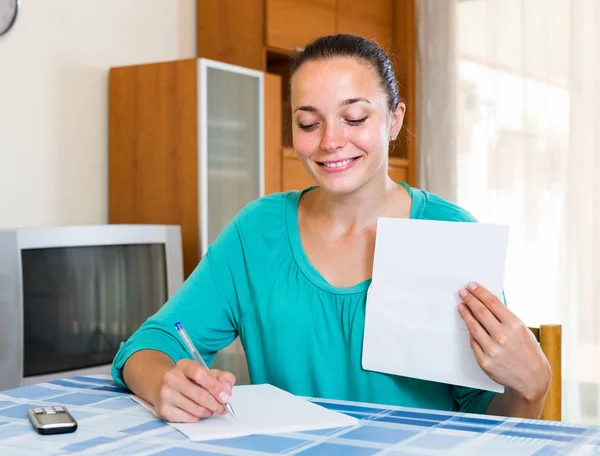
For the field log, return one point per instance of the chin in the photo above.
(340, 186)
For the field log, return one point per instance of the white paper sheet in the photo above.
(412, 326)
(261, 409)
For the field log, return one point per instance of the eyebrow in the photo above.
(347, 102)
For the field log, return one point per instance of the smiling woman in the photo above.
(346, 108)
(290, 273)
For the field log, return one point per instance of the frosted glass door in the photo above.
(231, 161)
(231, 144)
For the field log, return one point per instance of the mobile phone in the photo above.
(52, 420)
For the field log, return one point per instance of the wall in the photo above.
(53, 99)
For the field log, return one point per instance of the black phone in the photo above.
(52, 420)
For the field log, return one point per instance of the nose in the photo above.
(333, 138)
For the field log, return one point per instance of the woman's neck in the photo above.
(360, 209)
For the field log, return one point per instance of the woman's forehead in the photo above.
(335, 77)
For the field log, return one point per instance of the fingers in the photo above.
(490, 300)
(477, 351)
(189, 392)
(203, 377)
(475, 328)
(482, 313)
(192, 395)
(190, 406)
(227, 378)
(176, 406)
(172, 414)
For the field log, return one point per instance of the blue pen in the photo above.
(196, 355)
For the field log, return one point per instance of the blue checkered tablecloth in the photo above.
(110, 422)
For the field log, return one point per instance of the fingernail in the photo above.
(472, 286)
(462, 293)
(224, 396)
(461, 307)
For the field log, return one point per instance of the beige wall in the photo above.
(53, 99)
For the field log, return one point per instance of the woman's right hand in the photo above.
(189, 391)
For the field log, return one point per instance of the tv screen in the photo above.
(81, 302)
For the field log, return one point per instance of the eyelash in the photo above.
(353, 123)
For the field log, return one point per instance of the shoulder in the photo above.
(430, 206)
(264, 212)
(256, 236)
(261, 225)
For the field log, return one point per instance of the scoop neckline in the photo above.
(300, 257)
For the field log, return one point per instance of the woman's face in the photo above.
(341, 123)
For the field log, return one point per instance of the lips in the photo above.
(333, 166)
(336, 164)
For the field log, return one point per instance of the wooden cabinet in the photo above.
(152, 165)
(373, 20)
(404, 58)
(273, 153)
(295, 176)
(185, 146)
(231, 31)
(398, 173)
(291, 24)
(264, 34)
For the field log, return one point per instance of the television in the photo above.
(69, 295)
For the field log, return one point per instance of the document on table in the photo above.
(261, 409)
(412, 325)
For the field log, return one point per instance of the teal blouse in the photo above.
(299, 332)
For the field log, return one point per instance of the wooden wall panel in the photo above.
(152, 148)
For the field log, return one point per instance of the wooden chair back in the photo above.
(550, 339)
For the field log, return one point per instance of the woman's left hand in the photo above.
(503, 346)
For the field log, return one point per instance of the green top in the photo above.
(299, 332)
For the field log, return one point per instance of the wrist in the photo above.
(531, 395)
(144, 373)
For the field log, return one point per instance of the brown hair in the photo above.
(345, 45)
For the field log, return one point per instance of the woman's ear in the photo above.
(397, 120)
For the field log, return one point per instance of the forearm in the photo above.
(510, 403)
(143, 373)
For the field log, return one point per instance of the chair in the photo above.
(550, 339)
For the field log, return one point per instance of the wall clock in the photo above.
(8, 14)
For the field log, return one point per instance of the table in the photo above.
(110, 422)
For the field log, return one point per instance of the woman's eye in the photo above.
(309, 127)
(356, 122)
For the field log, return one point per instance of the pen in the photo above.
(188, 342)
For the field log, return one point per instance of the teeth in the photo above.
(337, 164)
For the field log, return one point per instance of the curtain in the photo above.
(525, 151)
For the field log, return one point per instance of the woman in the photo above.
(290, 273)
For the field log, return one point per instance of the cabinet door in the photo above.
(231, 144)
(292, 24)
(295, 176)
(398, 174)
(372, 19)
(273, 153)
(231, 31)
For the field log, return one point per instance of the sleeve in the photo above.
(470, 400)
(206, 305)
